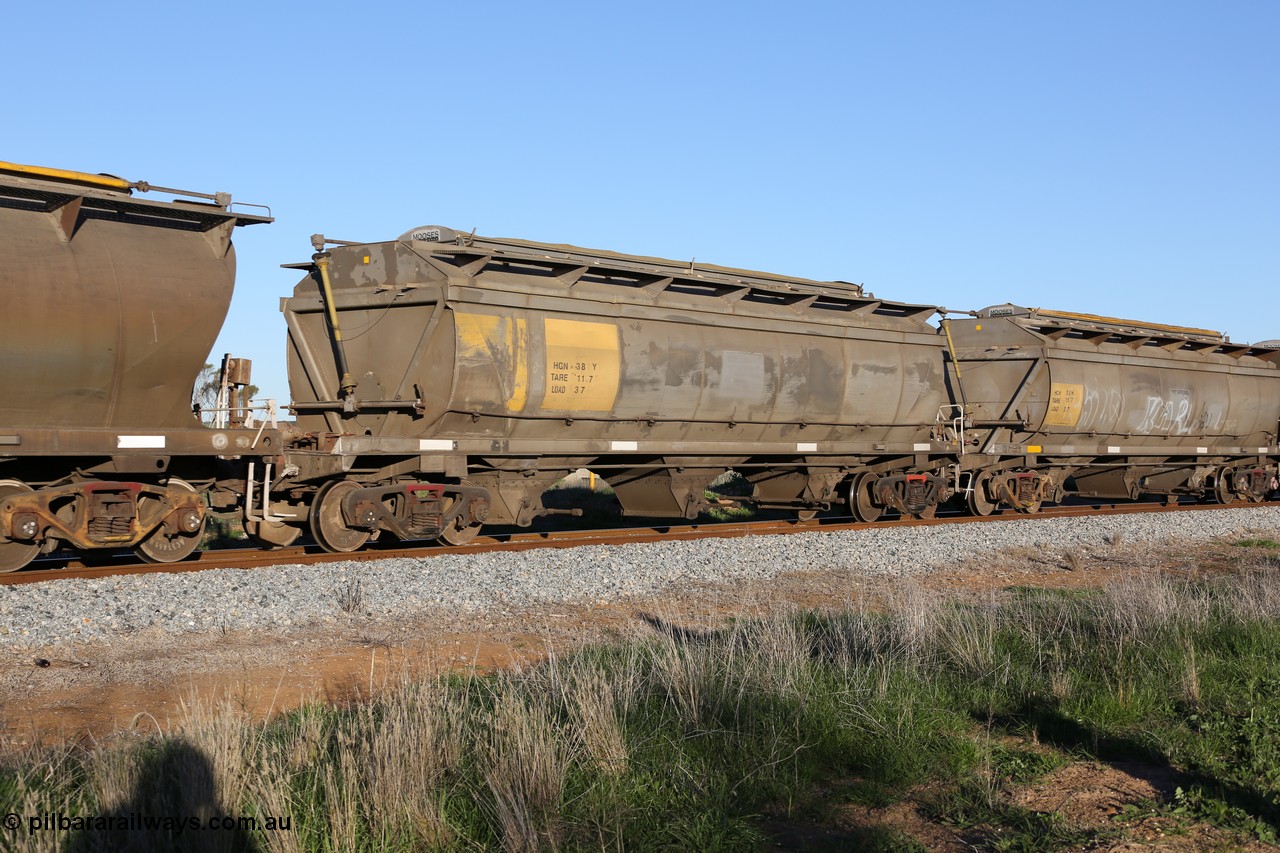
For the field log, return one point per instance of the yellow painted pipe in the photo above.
(66, 175)
(955, 359)
(344, 375)
(323, 265)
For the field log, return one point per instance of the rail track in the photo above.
(252, 558)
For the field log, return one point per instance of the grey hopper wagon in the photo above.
(494, 367)
(111, 303)
(1104, 407)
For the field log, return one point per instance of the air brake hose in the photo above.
(322, 264)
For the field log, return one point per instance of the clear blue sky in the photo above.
(1110, 157)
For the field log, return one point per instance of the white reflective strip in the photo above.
(807, 447)
(436, 444)
(140, 442)
(1111, 449)
(1202, 450)
(922, 447)
(1262, 450)
(624, 445)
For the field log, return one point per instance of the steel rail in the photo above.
(254, 558)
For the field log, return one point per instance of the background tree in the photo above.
(204, 396)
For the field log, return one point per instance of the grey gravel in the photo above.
(288, 597)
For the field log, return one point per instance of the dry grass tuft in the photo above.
(597, 720)
(524, 767)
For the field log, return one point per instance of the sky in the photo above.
(1116, 158)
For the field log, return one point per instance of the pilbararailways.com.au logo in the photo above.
(137, 822)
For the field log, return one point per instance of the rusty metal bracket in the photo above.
(100, 514)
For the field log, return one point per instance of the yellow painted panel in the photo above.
(474, 332)
(583, 365)
(1065, 403)
(520, 351)
(502, 341)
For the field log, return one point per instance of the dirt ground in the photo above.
(1117, 798)
(92, 694)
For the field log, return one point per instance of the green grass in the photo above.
(735, 738)
(1269, 544)
(222, 531)
(739, 512)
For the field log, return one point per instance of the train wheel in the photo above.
(164, 547)
(979, 503)
(272, 534)
(459, 532)
(327, 524)
(860, 503)
(806, 514)
(1222, 487)
(15, 554)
